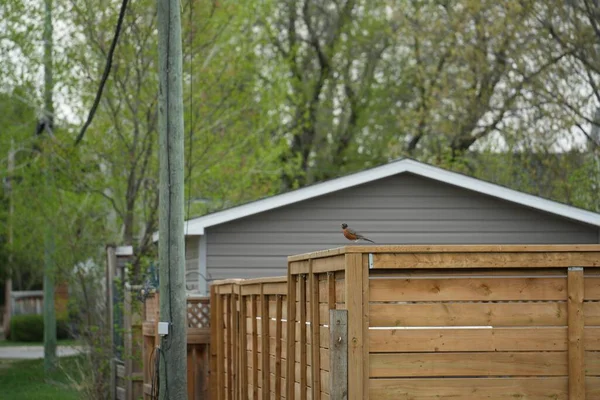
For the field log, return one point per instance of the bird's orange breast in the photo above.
(349, 235)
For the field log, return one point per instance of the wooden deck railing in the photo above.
(389, 322)
(198, 344)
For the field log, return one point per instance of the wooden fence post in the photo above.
(278, 329)
(338, 354)
(243, 346)
(303, 360)
(575, 291)
(291, 336)
(253, 308)
(315, 332)
(265, 345)
(354, 305)
(111, 261)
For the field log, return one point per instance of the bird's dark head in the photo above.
(344, 226)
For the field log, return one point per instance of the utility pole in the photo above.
(173, 351)
(50, 360)
(11, 210)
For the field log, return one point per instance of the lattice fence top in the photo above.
(198, 313)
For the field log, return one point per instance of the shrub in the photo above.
(30, 328)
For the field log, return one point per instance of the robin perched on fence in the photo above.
(351, 234)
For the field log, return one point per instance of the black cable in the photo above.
(107, 68)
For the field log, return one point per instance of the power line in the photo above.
(107, 68)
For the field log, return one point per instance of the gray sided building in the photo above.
(403, 202)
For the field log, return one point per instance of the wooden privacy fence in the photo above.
(198, 344)
(413, 322)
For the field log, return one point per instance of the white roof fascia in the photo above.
(196, 226)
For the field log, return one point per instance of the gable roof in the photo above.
(196, 226)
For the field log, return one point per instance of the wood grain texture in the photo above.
(389, 365)
(440, 260)
(330, 291)
(555, 388)
(581, 248)
(591, 286)
(303, 342)
(235, 342)
(459, 339)
(278, 357)
(254, 352)
(265, 334)
(575, 334)
(354, 305)
(365, 325)
(329, 264)
(215, 317)
(468, 289)
(315, 332)
(469, 314)
(220, 349)
(338, 354)
(243, 368)
(291, 335)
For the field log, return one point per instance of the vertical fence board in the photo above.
(127, 344)
(338, 354)
(365, 325)
(291, 337)
(278, 326)
(191, 367)
(315, 332)
(253, 307)
(243, 367)
(264, 319)
(575, 331)
(235, 344)
(214, 334)
(229, 345)
(111, 261)
(354, 305)
(220, 338)
(303, 363)
(331, 290)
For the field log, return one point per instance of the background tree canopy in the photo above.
(281, 94)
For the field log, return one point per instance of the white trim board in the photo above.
(196, 226)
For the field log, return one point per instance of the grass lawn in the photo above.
(24, 380)
(66, 342)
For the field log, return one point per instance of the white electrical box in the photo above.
(163, 328)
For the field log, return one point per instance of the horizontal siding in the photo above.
(404, 209)
(191, 247)
(297, 247)
(191, 263)
(400, 214)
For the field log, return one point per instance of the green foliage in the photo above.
(27, 328)
(30, 328)
(280, 94)
(25, 380)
